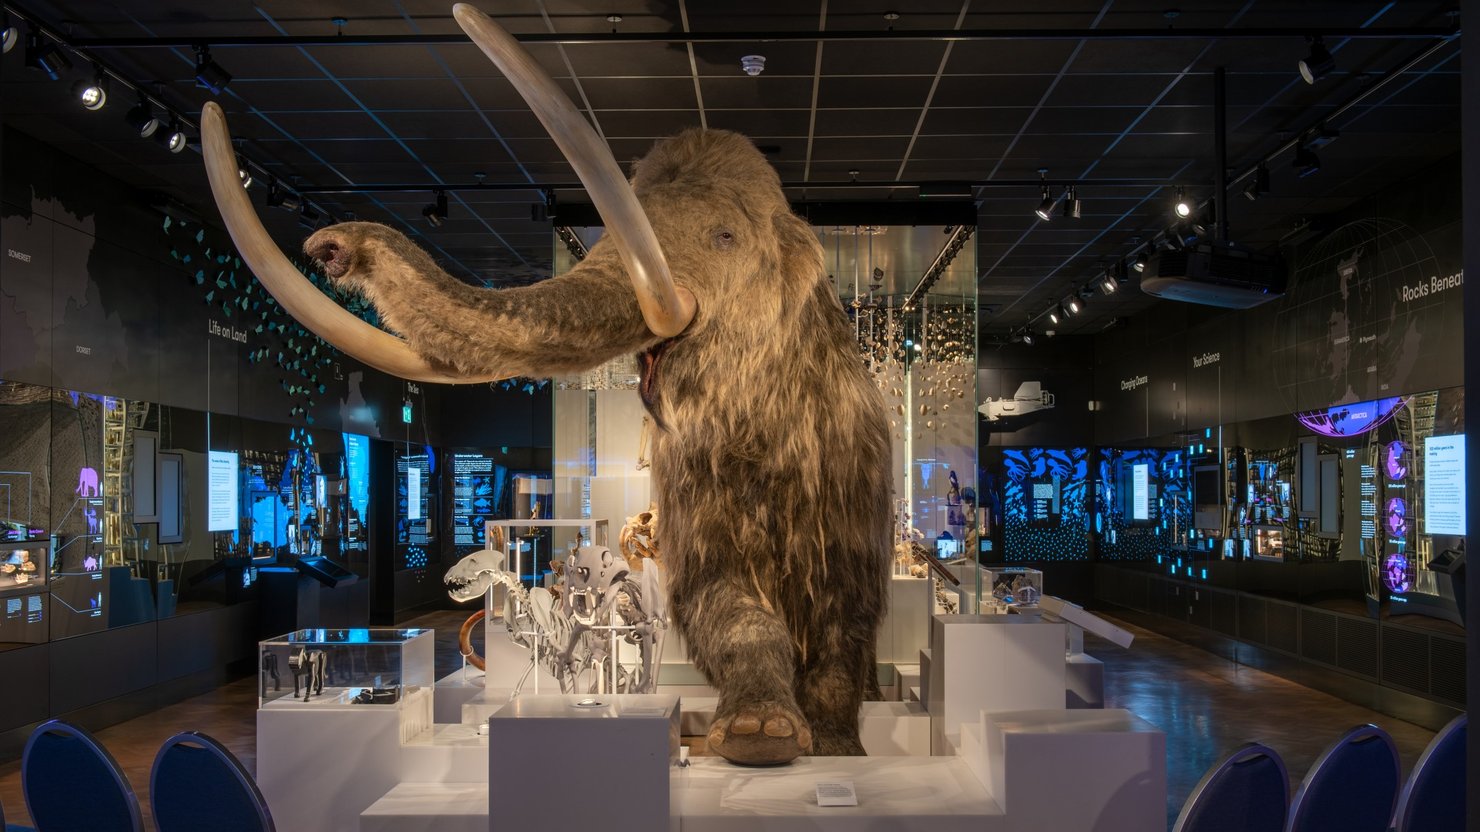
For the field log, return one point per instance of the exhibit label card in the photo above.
(1444, 484)
(838, 793)
(222, 500)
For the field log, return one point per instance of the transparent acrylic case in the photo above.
(1011, 586)
(350, 668)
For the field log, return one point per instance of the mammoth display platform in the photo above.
(347, 767)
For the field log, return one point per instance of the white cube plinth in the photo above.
(895, 794)
(428, 807)
(907, 624)
(1111, 762)
(319, 768)
(990, 663)
(1085, 680)
(554, 764)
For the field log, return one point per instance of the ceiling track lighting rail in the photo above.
(150, 116)
(954, 242)
(1305, 163)
(780, 36)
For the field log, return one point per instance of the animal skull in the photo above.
(473, 575)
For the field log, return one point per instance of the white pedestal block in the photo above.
(556, 765)
(428, 807)
(1085, 678)
(453, 690)
(907, 624)
(1055, 770)
(446, 754)
(990, 663)
(319, 768)
(907, 678)
(895, 794)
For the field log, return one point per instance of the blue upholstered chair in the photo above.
(1433, 799)
(71, 782)
(1247, 791)
(1351, 787)
(197, 783)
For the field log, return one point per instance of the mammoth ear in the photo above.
(801, 253)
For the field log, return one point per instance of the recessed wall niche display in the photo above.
(1045, 503)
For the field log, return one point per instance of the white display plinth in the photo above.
(895, 794)
(1109, 764)
(907, 623)
(319, 768)
(1085, 677)
(554, 764)
(428, 807)
(990, 663)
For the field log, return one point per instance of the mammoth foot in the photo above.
(760, 735)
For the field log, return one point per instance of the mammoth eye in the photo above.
(724, 238)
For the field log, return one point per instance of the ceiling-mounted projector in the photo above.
(1215, 274)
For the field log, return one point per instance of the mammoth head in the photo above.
(709, 196)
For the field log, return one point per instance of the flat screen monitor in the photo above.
(1444, 484)
(222, 503)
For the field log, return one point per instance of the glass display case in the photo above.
(1010, 586)
(350, 668)
(22, 565)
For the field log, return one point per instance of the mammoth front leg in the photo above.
(745, 651)
(831, 687)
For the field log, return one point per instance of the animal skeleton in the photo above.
(572, 638)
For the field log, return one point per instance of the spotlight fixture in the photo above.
(243, 173)
(1306, 161)
(1182, 206)
(208, 74)
(1139, 264)
(1108, 283)
(1045, 205)
(1073, 306)
(175, 140)
(278, 197)
(141, 118)
(1318, 63)
(1056, 314)
(44, 55)
(1259, 185)
(436, 212)
(92, 95)
(9, 32)
(1071, 204)
(1027, 337)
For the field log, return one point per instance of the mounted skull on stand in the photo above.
(771, 453)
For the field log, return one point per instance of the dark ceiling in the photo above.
(1131, 119)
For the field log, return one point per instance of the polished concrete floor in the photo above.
(1205, 704)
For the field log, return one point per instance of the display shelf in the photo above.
(352, 667)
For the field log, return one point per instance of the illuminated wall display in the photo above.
(1141, 491)
(413, 494)
(221, 515)
(1444, 491)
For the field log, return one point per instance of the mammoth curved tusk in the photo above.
(666, 308)
(299, 297)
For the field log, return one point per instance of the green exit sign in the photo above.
(406, 413)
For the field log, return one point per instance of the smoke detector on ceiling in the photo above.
(753, 64)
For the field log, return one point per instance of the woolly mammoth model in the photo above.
(771, 454)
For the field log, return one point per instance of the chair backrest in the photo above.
(71, 782)
(1247, 791)
(197, 783)
(1351, 787)
(1433, 799)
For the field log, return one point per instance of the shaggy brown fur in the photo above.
(770, 466)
